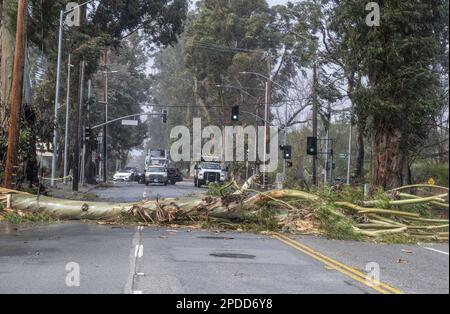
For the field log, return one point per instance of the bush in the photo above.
(423, 171)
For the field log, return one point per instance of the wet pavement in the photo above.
(41, 259)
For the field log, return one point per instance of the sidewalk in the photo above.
(65, 192)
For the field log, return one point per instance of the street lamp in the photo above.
(105, 127)
(58, 80)
(268, 81)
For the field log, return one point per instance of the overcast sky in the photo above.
(274, 2)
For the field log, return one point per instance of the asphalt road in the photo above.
(159, 260)
(40, 259)
(134, 192)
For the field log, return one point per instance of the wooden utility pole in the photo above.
(315, 123)
(17, 91)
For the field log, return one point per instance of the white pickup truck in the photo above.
(209, 172)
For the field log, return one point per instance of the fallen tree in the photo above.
(294, 211)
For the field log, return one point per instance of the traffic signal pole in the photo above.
(267, 116)
(17, 91)
(315, 124)
(105, 127)
(78, 132)
(66, 138)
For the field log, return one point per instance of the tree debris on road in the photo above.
(390, 214)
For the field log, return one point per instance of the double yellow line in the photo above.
(343, 269)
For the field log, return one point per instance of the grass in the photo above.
(33, 218)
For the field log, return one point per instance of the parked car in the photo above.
(174, 175)
(124, 176)
(134, 171)
(140, 177)
(156, 175)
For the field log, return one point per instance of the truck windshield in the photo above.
(153, 170)
(211, 166)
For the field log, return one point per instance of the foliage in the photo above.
(423, 171)
(338, 227)
(402, 76)
(218, 190)
(129, 28)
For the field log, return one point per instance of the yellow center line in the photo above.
(348, 271)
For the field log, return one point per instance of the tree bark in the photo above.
(387, 161)
(360, 155)
(7, 43)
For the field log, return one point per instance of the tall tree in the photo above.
(400, 83)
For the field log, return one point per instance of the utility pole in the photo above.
(267, 115)
(350, 148)
(329, 148)
(77, 131)
(17, 91)
(66, 138)
(315, 123)
(105, 128)
(86, 141)
(57, 95)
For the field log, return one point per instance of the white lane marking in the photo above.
(134, 243)
(437, 251)
(139, 251)
(140, 274)
(138, 292)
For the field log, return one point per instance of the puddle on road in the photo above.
(233, 255)
(215, 238)
(16, 251)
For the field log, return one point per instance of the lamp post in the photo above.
(66, 137)
(105, 127)
(58, 80)
(267, 110)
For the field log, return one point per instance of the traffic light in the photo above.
(312, 146)
(164, 116)
(287, 152)
(235, 113)
(87, 133)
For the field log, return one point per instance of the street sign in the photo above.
(130, 122)
(431, 181)
(343, 156)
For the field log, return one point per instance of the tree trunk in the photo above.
(360, 155)
(7, 43)
(387, 161)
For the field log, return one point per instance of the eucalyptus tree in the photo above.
(399, 66)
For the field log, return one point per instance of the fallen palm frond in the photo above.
(294, 211)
